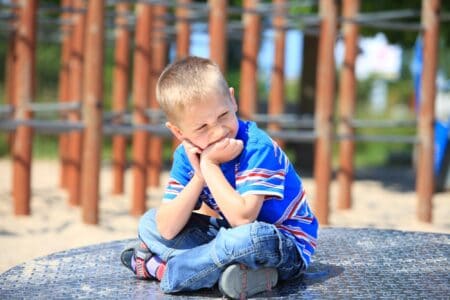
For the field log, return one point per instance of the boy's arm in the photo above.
(237, 209)
(173, 215)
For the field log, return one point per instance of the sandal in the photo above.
(140, 253)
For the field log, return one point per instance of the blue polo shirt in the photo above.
(262, 168)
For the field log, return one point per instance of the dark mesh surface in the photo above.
(349, 263)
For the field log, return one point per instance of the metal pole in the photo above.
(121, 89)
(24, 93)
(276, 94)
(92, 109)
(248, 91)
(141, 75)
(425, 174)
(77, 57)
(347, 98)
(159, 61)
(64, 85)
(218, 17)
(183, 28)
(324, 108)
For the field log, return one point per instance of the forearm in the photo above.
(235, 208)
(172, 216)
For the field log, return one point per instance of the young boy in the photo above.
(234, 211)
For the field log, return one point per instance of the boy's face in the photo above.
(207, 122)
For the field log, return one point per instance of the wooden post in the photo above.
(76, 94)
(24, 93)
(10, 71)
(64, 91)
(248, 93)
(141, 75)
(121, 89)
(324, 108)
(425, 173)
(159, 61)
(276, 93)
(183, 28)
(218, 17)
(92, 109)
(347, 102)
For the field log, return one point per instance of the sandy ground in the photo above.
(382, 199)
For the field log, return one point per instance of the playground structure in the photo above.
(155, 23)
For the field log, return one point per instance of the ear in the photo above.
(233, 100)
(175, 131)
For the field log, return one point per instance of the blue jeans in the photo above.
(206, 246)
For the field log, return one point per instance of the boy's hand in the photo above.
(193, 153)
(222, 151)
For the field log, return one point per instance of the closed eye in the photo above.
(223, 115)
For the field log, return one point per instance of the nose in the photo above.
(217, 133)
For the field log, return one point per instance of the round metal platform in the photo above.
(349, 263)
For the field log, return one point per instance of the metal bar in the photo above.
(64, 84)
(378, 138)
(121, 90)
(24, 92)
(285, 120)
(42, 126)
(276, 93)
(159, 61)
(425, 129)
(50, 107)
(403, 26)
(293, 136)
(77, 63)
(218, 16)
(356, 123)
(347, 98)
(250, 46)
(324, 106)
(141, 75)
(92, 110)
(381, 16)
(6, 109)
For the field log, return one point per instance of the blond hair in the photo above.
(188, 81)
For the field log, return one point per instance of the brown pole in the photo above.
(183, 28)
(250, 46)
(324, 108)
(76, 94)
(24, 93)
(11, 65)
(425, 174)
(347, 97)
(218, 33)
(159, 61)
(141, 75)
(276, 93)
(121, 89)
(92, 110)
(64, 89)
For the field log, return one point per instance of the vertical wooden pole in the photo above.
(92, 109)
(24, 93)
(141, 75)
(276, 93)
(10, 70)
(425, 174)
(183, 28)
(218, 17)
(76, 94)
(248, 92)
(121, 89)
(347, 101)
(64, 91)
(324, 108)
(159, 61)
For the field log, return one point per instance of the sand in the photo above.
(382, 199)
